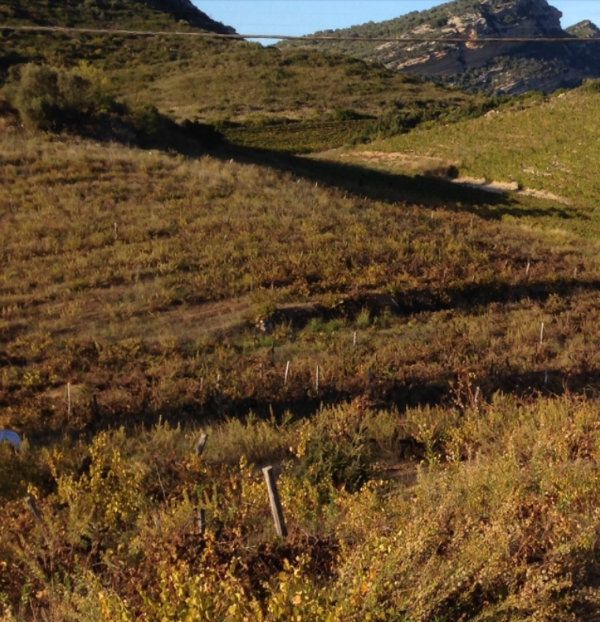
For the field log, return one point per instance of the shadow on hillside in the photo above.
(467, 297)
(388, 187)
(389, 393)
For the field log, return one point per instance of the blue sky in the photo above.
(296, 17)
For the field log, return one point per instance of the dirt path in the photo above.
(444, 169)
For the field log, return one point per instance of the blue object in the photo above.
(8, 436)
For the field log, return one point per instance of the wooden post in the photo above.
(201, 521)
(542, 335)
(94, 406)
(287, 374)
(69, 408)
(354, 339)
(528, 269)
(39, 519)
(201, 443)
(274, 500)
(34, 508)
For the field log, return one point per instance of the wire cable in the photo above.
(306, 39)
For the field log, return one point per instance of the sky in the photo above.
(299, 17)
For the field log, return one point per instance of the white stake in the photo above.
(354, 339)
(317, 378)
(528, 268)
(542, 334)
(287, 373)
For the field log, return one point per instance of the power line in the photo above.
(307, 39)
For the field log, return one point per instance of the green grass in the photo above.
(546, 146)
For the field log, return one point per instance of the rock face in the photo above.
(500, 68)
(584, 30)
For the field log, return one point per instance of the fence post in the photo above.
(201, 443)
(275, 502)
(32, 505)
(69, 406)
(201, 521)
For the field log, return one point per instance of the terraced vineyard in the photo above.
(416, 358)
(165, 288)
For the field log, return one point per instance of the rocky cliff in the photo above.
(501, 68)
(584, 30)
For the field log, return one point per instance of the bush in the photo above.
(48, 98)
(592, 86)
(346, 114)
(51, 99)
(336, 448)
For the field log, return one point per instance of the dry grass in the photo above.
(216, 275)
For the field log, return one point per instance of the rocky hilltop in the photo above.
(584, 30)
(500, 68)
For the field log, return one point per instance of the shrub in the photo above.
(346, 114)
(48, 98)
(592, 86)
(336, 448)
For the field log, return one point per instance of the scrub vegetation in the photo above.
(444, 467)
(252, 93)
(416, 359)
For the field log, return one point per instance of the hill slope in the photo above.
(165, 288)
(548, 145)
(506, 68)
(226, 82)
(115, 13)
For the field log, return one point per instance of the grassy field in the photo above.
(171, 293)
(546, 146)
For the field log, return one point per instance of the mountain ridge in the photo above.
(507, 68)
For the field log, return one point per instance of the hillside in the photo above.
(584, 30)
(111, 13)
(410, 354)
(168, 289)
(290, 100)
(546, 146)
(507, 68)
